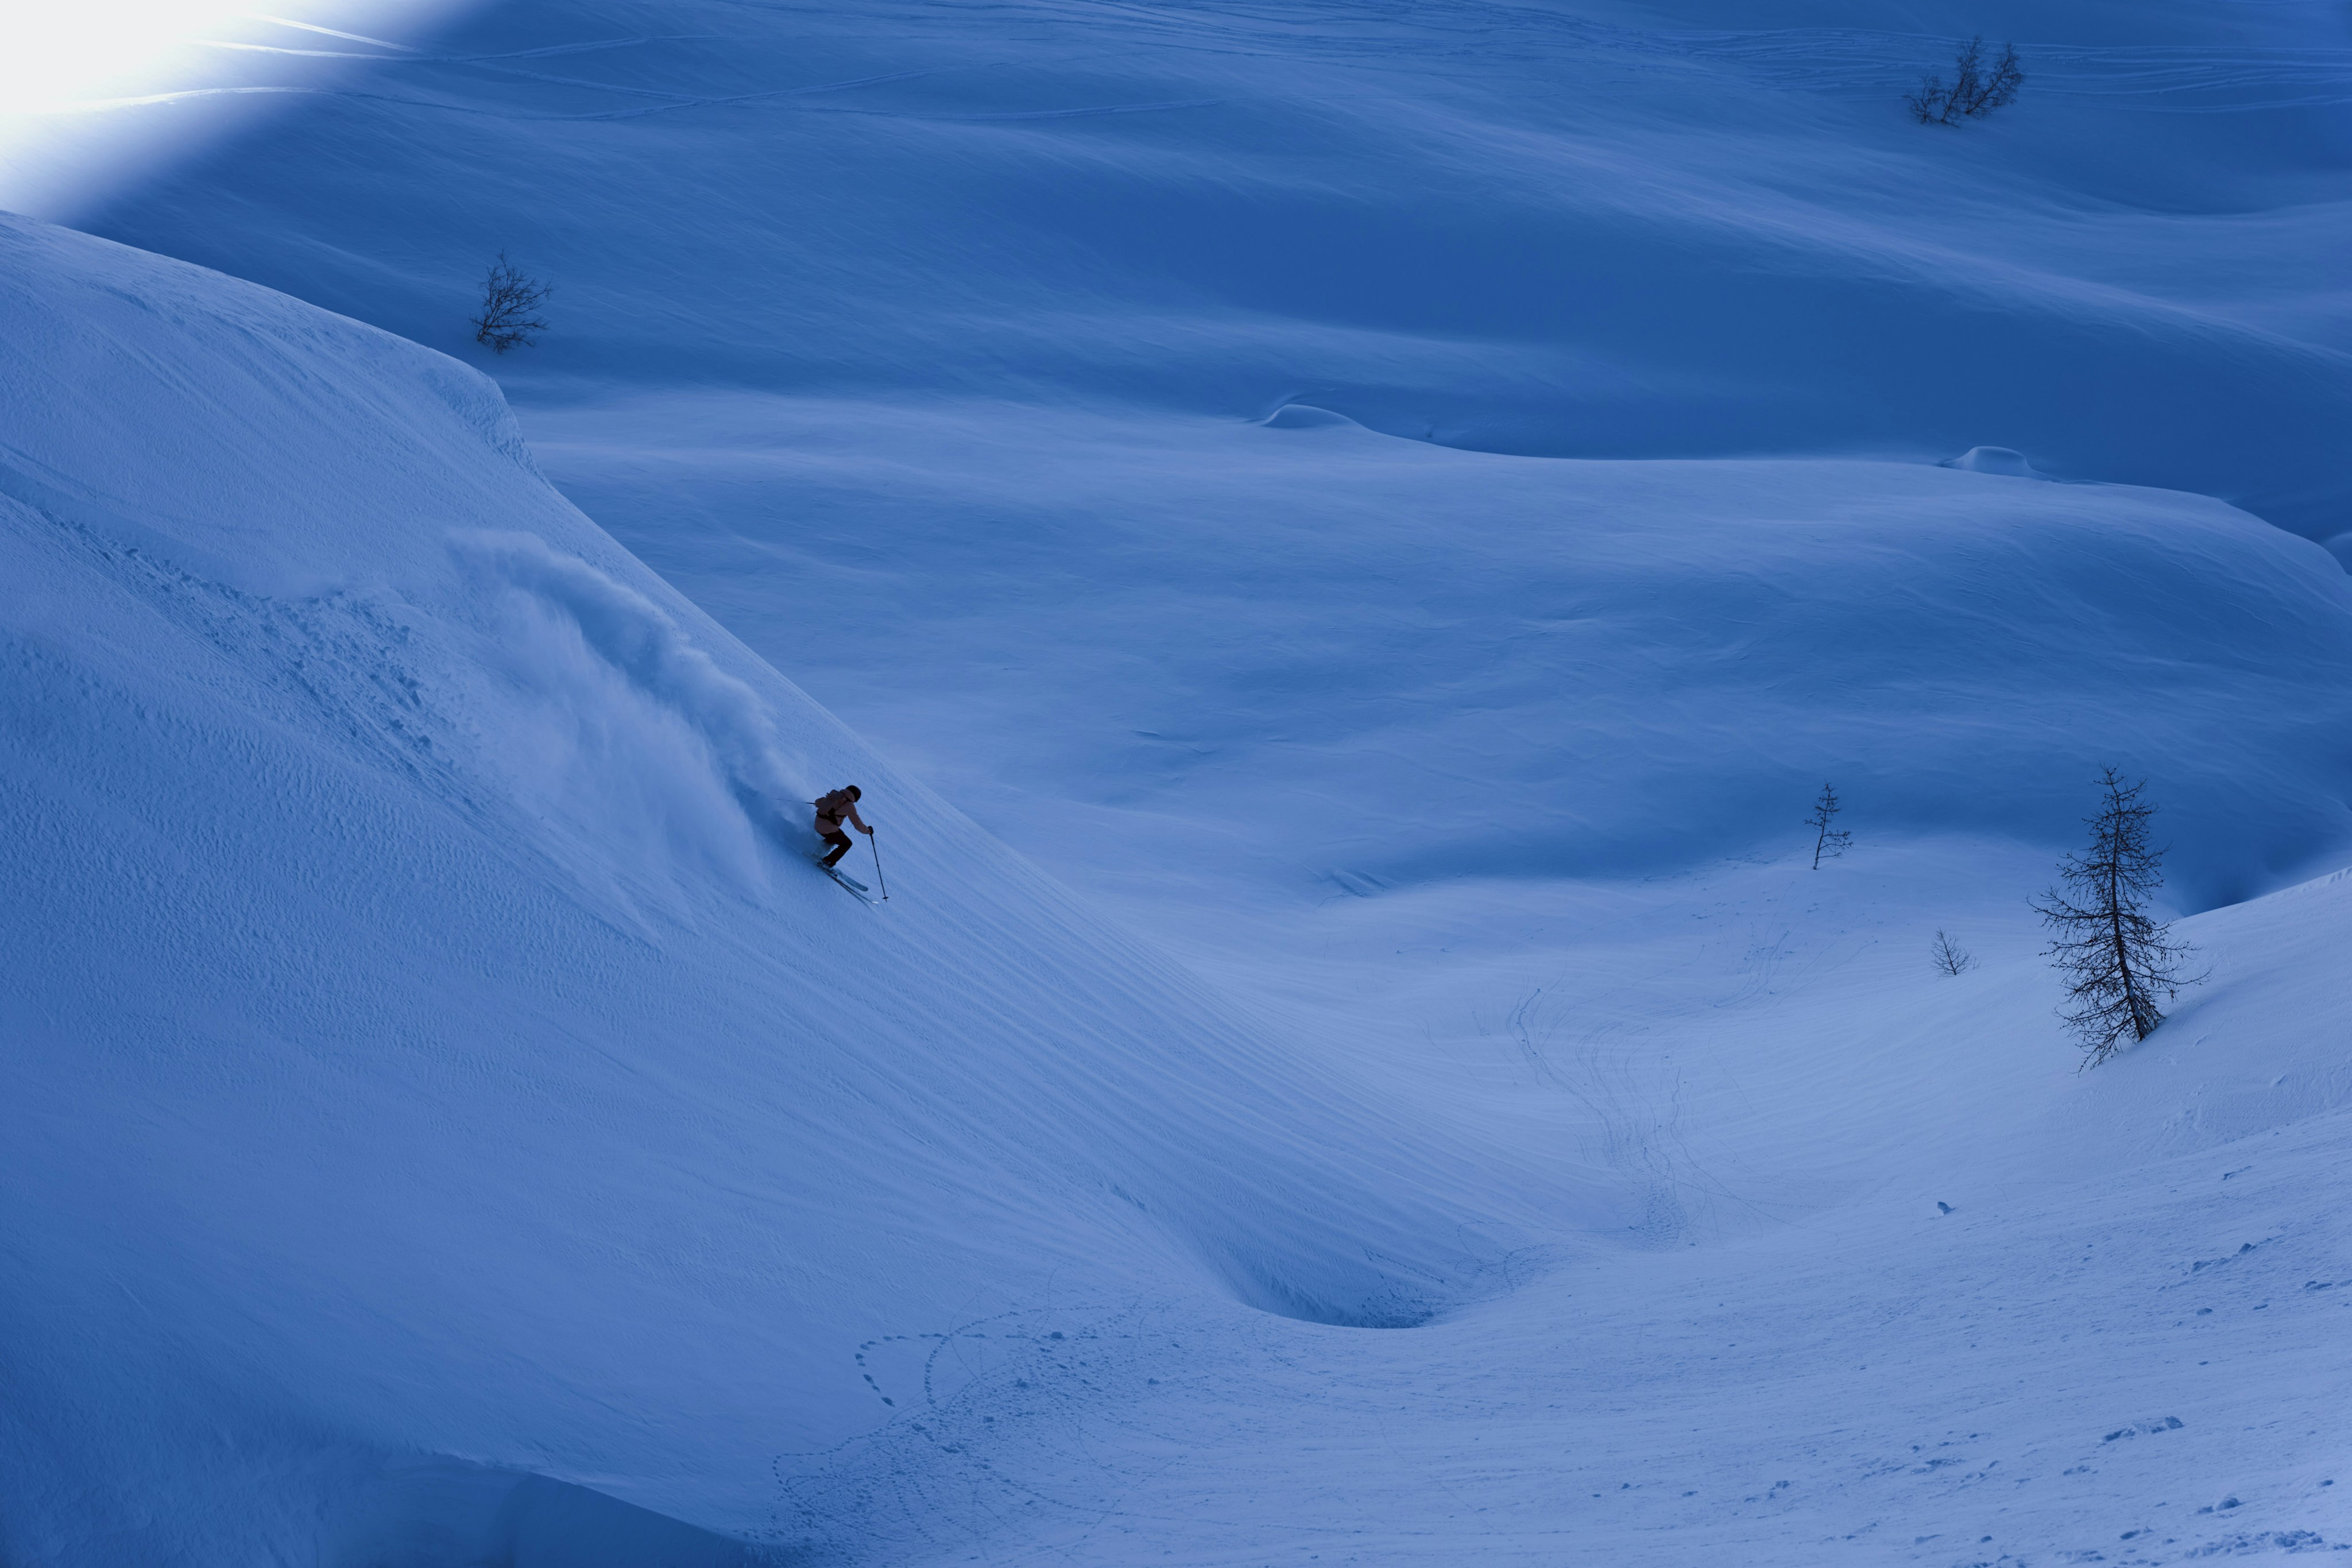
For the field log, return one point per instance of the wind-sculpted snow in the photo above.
(1404, 503)
(1677, 230)
(1346, 655)
(422, 1021)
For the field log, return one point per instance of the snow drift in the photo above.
(448, 1124)
(426, 1037)
(1670, 229)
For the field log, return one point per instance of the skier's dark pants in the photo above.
(840, 842)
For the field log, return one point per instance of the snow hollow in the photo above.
(1340, 542)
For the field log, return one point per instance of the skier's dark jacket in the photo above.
(830, 808)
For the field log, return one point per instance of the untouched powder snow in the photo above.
(1604, 230)
(1383, 516)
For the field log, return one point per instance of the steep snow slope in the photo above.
(423, 1036)
(445, 1108)
(1464, 750)
(920, 346)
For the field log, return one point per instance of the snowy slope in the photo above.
(1598, 230)
(403, 909)
(1338, 652)
(474, 1087)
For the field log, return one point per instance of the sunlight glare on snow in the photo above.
(86, 87)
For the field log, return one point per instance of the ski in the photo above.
(855, 886)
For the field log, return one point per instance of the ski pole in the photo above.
(874, 843)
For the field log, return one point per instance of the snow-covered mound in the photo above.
(1468, 753)
(1345, 654)
(424, 1035)
(452, 1127)
(1617, 228)
(1406, 504)
(1995, 460)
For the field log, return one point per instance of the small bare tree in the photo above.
(1950, 957)
(2115, 960)
(510, 302)
(1975, 90)
(1828, 843)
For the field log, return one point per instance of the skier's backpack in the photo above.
(831, 807)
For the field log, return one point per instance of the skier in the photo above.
(830, 810)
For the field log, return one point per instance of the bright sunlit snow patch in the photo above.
(100, 92)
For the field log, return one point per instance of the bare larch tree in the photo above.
(1975, 90)
(2116, 962)
(1950, 957)
(510, 302)
(1828, 843)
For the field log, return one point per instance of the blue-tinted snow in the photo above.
(1395, 509)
